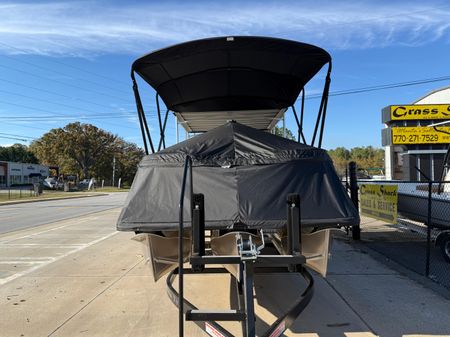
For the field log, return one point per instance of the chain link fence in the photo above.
(419, 236)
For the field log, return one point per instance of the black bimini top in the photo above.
(239, 77)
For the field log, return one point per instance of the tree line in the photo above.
(366, 158)
(17, 153)
(88, 151)
(80, 149)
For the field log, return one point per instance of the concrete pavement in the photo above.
(81, 278)
(31, 214)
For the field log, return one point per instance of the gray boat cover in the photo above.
(231, 73)
(245, 175)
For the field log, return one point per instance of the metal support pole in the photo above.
(141, 115)
(141, 123)
(293, 225)
(322, 109)
(240, 295)
(346, 179)
(430, 186)
(198, 228)
(176, 130)
(302, 111)
(328, 81)
(161, 127)
(187, 166)
(356, 230)
(300, 134)
(248, 299)
(162, 140)
(427, 266)
(164, 126)
(114, 171)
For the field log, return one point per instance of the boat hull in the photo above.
(415, 207)
(161, 251)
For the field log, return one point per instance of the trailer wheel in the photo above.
(443, 242)
(445, 248)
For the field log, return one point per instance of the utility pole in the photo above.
(114, 170)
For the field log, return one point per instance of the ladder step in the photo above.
(216, 315)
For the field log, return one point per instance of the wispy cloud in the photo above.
(87, 28)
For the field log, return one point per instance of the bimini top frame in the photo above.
(252, 80)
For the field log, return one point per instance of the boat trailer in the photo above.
(249, 261)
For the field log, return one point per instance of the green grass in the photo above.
(111, 189)
(26, 195)
(14, 194)
(29, 195)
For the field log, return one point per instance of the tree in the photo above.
(341, 157)
(279, 132)
(88, 151)
(366, 157)
(17, 153)
(127, 160)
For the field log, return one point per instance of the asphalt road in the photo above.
(27, 215)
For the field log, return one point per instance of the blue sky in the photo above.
(62, 61)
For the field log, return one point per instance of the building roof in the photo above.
(437, 96)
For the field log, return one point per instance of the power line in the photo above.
(21, 139)
(122, 114)
(34, 108)
(48, 101)
(54, 93)
(57, 114)
(64, 83)
(64, 64)
(57, 94)
(63, 74)
(34, 127)
(47, 118)
(381, 87)
(14, 135)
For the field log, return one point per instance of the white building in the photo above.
(410, 144)
(21, 173)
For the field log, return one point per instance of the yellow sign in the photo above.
(420, 111)
(379, 201)
(420, 135)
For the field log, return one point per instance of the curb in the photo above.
(15, 202)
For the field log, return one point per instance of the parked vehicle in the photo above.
(50, 183)
(84, 183)
(413, 204)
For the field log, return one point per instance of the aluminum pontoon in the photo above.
(226, 194)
